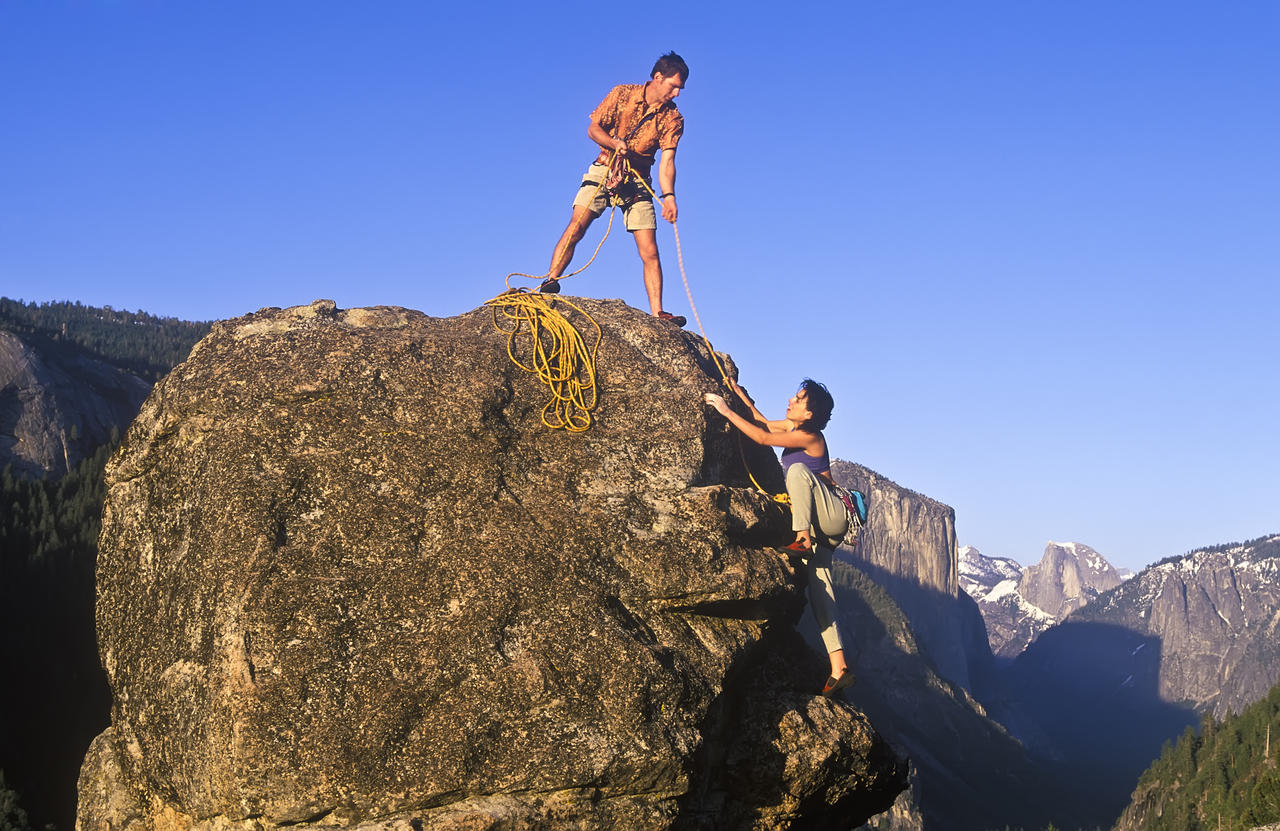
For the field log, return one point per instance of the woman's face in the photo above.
(798, 407)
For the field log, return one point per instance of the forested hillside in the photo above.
(1226, 776)
(55, 696)
(141, 343)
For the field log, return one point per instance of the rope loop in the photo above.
(557, 352)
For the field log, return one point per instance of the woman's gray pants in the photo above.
(816, 508)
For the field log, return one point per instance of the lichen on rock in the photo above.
(347, 578)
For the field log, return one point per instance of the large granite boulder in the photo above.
(348, 578)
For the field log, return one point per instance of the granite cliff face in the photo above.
(59, 403)
(909, 547)
(1068, 576)
(908, 534)
(1214, 616)
(1019, 604)
(347, 578)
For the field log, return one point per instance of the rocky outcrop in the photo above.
(1019, 604)
(57, 404)
(909, 546)
(348, 578)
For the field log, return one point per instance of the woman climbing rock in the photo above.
(818, 516)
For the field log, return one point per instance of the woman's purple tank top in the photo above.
(817, 464)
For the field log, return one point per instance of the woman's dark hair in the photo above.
(671, 64)
(820, 404)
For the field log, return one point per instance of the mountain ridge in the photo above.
(1019, 604)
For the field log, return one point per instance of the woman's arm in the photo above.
(783, 426)
(762, 435)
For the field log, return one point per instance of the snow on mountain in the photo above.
(1212, 618)
(979, 575)
(1017, 603)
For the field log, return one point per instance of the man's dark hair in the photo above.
(671, 64)
(820, 403)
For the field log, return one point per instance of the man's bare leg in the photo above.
(573, 233)
(647, 245)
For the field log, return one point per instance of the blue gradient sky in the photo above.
(1031, 247)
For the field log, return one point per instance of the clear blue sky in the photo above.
(1032, 247)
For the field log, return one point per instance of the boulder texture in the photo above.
(347, 578)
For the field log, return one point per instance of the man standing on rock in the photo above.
(631, 124)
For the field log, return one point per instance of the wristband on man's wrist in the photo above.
(665, 195)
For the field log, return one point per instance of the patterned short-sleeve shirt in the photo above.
(623, 108)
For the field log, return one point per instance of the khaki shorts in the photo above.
(635, 201)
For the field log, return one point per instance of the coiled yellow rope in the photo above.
(559, 356)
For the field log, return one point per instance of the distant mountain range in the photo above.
(1103, 689)
(1018, 604)
(1214, 617)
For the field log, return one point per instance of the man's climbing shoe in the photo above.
(550, 286)
(835, 684)
(798, 547)
(678, 320)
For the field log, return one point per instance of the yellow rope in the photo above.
(560, 357)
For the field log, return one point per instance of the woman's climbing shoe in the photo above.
(678, 320)
(835, 684)
(799, 547)
(550, 286)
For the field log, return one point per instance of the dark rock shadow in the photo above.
(747, 767)
(949, 629)
(969, 773)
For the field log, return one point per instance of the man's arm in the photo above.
(601, 137)
(667, 184)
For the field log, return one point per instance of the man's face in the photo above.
(668, 86)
